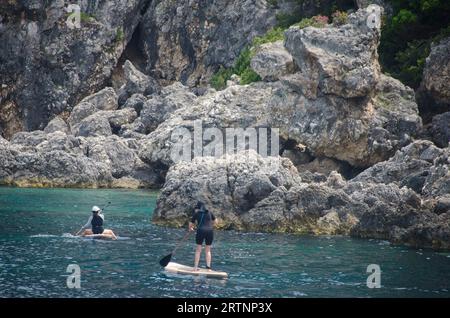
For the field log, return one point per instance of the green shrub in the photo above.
(403, 17)
(272, 35)
(285, 20)
(249, 76)
(318, 21)
(241, 65)
(407, 35)
(340, 17)
(272, 3)
(219, 79)
(120, 35)
(412, 61)
(86, 18)
(305, 22)
(243, 61)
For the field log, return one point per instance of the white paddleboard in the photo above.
(187, 270)
(98, 236)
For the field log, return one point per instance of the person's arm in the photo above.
(87, 225)
(192, 222)
(214, 220)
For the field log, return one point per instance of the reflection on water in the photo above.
(36, 246)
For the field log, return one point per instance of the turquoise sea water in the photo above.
(36, 248)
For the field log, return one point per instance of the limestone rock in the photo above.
(340, 60)
(52, 64)
(188, 40)
(272, 61)
(93, 126)
(436, 74)
(57, 124)
(440, 129)
(136, 83)
(106, 99)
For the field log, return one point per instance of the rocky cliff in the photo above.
(187, 40)
(404, 200)
(335, 102)
(46, 66)
(113, 99)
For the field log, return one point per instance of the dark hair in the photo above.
(200, 206)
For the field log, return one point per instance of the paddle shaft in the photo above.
(185, 237)
(182, 240)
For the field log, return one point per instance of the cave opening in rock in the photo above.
(303, 159)
(133, 52)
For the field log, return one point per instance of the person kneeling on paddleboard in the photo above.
(205, 222)
(95, 225)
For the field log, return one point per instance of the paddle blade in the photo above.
(165, 260)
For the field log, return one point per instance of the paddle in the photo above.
(166, 259)
(106, 205)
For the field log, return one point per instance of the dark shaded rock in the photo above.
(440, 129)
(442, 205)
(136, 101)
(325, 166)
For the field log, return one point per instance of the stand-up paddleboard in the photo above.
(98, 236)
(187, 270)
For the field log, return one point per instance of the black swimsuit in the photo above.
(205, 227)
(97, 224)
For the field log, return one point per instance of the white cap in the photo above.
(96, 209)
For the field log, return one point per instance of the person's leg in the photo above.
(110, 233)
(208, 256)
(113, 235)
(208, 241)
(87, 232)
(198, 251)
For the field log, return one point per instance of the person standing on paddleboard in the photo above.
(205, 223)
(95, 225)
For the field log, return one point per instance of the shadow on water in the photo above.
(36, 246)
